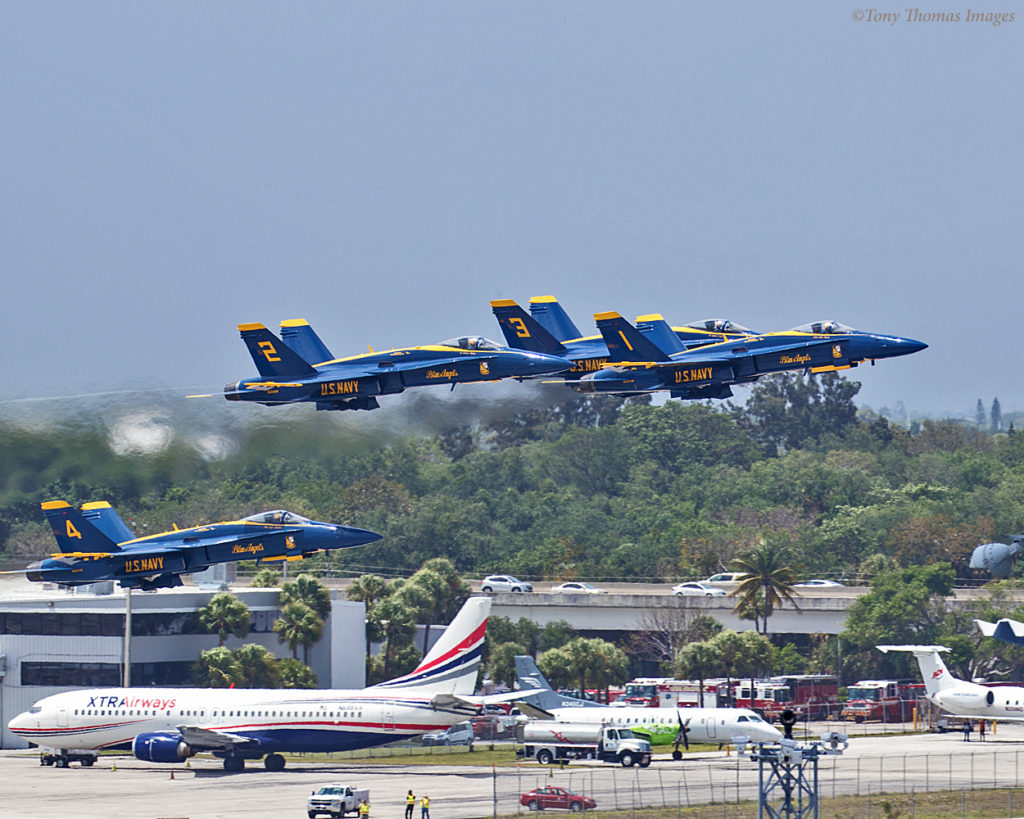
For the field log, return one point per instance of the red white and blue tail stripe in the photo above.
(451, 665)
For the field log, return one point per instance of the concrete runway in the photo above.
(893, 763)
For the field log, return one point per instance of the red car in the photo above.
(551, 797)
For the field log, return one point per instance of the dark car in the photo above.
(552, 797)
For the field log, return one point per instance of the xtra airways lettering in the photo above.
(105, 701)
(144, 564)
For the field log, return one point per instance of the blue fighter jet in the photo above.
(96, 544)
(301, 369)
(657, 360)
(547, 328)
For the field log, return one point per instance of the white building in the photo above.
(53, 640)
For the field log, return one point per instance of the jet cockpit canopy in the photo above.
(719, 325)
(471, 343)
(281, 516)
(824, 328)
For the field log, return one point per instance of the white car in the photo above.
(725, 577)
(816, 584)
(698, 589)
(574, 587)
(504, 583)
(461, 733)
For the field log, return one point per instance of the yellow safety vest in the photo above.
(410, 799)
(364, 809)
(424, 802)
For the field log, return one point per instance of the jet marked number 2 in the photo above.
(268, 350)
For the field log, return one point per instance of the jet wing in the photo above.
(205, 738)
(455, 700)
(222, 539)
(400, 365)
(532, 711)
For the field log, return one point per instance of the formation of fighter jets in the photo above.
(697, 361)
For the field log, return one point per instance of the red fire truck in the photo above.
(882, 700)
(809, 696)
(665, 692)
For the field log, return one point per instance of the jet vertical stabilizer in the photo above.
(73, 532)
(933, 671)
(553, 318)
(298, 335)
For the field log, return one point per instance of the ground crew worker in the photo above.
(981, 730)
(967, 730)
(410, 802)
(364, 809)
(425, 807)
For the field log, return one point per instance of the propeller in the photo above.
(684, 729)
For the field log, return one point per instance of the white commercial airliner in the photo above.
(959, 697)
(172, 724)
(659, 725)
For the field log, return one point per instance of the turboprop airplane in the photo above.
(660, 726)
(172, 724)
(657, 360)
(288, 376)
(96, 544)
(548, 329)
(959, 697)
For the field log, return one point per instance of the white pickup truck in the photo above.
(335, 800)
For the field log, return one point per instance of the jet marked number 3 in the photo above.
(269, 352)
(519, 327)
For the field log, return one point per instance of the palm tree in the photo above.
(297, 626)
(217, 668)
(700, 660)
(225, 614)
(730, 649)
(395, 625)
(265, 578)
(296, 675)
(369, 589)
(757, 655)
(764, 573)
(309, 590)
(258, 667)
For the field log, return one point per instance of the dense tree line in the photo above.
(593, 487)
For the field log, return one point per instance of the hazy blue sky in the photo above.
(384, 169)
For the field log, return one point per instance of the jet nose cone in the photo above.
(541, 363)
(353, 536)
(912, 346)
